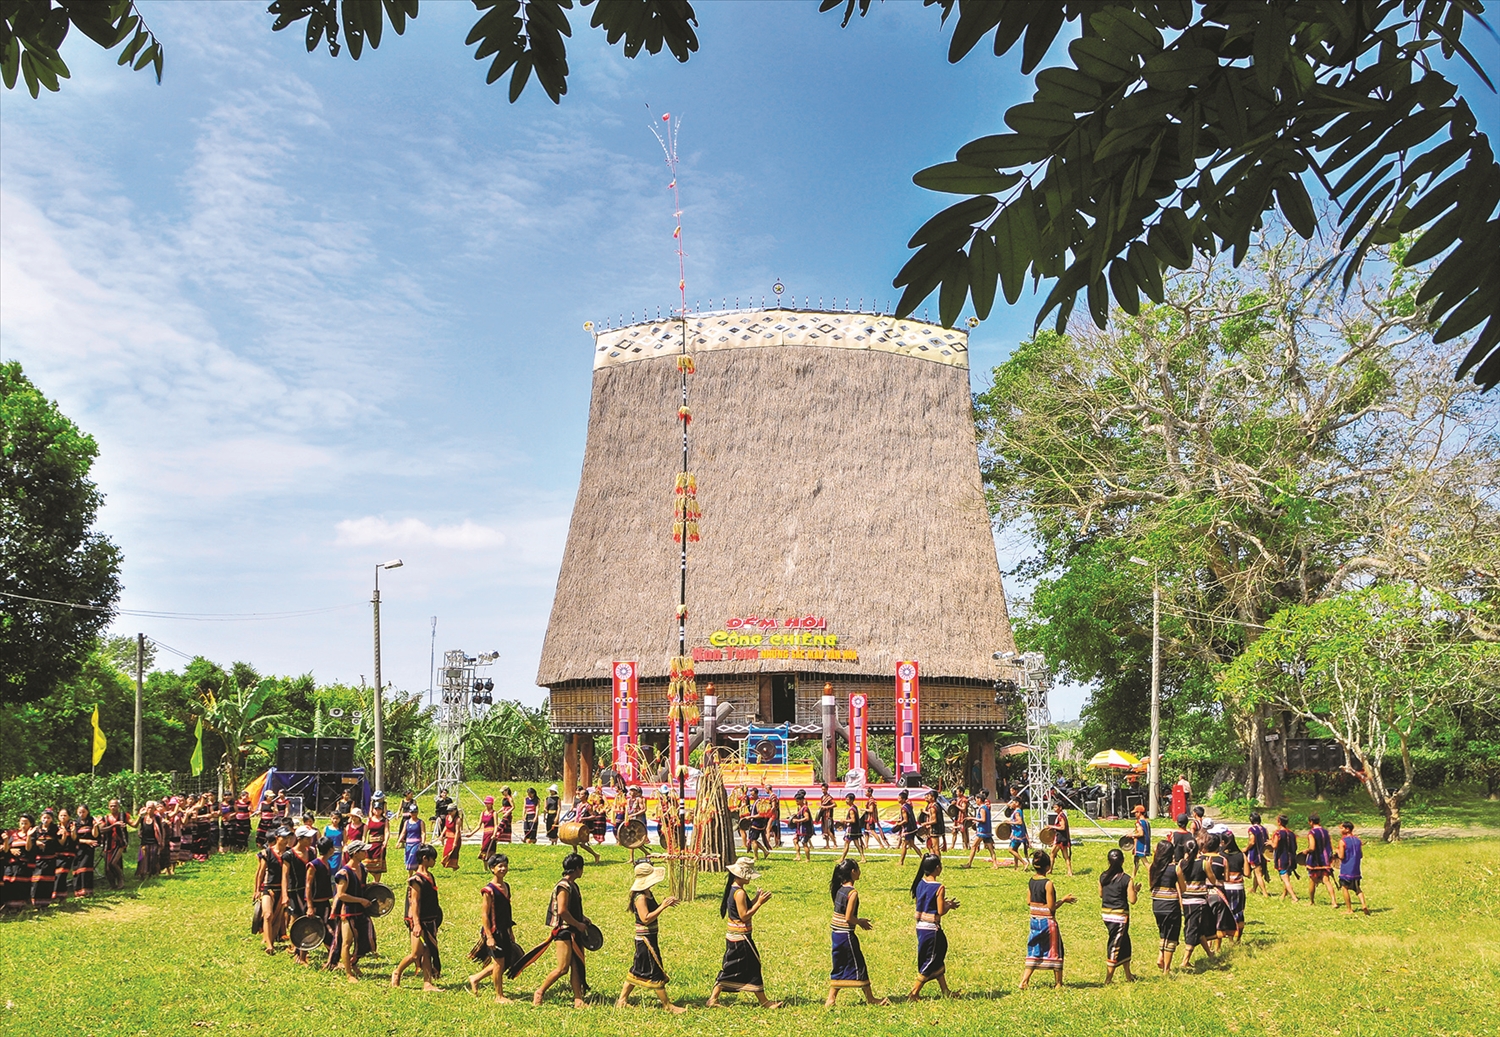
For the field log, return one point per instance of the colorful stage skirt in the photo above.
(932, 953)
(1044, 948)
(849, 969)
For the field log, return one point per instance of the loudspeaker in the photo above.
(324, 755)
(1295, 755)
(343, 754)
(286, 754)
(912, 780)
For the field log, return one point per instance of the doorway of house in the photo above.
(784, 699)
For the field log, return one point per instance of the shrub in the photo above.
(40, 791)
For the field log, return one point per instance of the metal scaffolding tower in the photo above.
(463, 698)
(1036, 683)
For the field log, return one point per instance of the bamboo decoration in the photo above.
(713, 828)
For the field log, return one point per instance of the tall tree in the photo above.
(1258, 440)
(59, 576)
(1369, 668)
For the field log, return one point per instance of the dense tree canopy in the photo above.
(51, 556)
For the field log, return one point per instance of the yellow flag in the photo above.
(100, 742)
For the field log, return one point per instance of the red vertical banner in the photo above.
(859, 745)
(908, 721)
(626, 726)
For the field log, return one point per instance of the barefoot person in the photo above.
(1166, 902)
(354, 935)
(1142, 836)
(647, 971)
(1117, 891)
(740, 971)
(1044, 947)
(1284, 851)
(854, 829)
(932, 943)
(1351, 854)
(1319, 861)
(802, 827)
(569, 924)
(1197, 919)
(872, 819)
(1256, 841)
(496, 949)
(1062, 844)
(908, 827)
(849, 968)
(423, 916)
(825, 816)
(269, 886)
(984, 829)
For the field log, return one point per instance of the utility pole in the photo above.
(379, 718)
(1153, 765)
(140, 666)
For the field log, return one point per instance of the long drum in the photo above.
(574, 833)
(381, 897)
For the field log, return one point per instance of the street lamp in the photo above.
(1153, 763)
(379, 718)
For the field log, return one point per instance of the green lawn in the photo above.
(178, 957)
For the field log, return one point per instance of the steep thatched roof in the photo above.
(838, 476)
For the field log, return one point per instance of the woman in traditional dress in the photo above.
(377, 834)
(451, 828)
(825, 815)
(740, 971)
(1197, 919)
(353, 935)
(177, 852)
(1166, 902)
(569, 924)
(496, 949)
(67, 855)
(1117, 891)
(506, 827)
(270, 888)
(44, 870)
(961, 821)
(647, 971)
(114, 835)
(413, 831)
(147, 859)
(932, 904)
(1044, 947)
(487, 829)
(239, 838)
(1062, 845)
(20, 849)
(1233, 882)
(530, 809)
(802, 826)
(202, 826)
(849, 968)
(598, 819)
(423, 917)
(354, 829)
(854, 830)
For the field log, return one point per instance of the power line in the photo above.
(201, 617)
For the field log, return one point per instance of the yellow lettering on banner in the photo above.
(832, 640)
(719, 638)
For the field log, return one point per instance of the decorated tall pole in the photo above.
(682, 688)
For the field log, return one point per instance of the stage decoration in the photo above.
(626, 726)
(682, 688)
(908, 719)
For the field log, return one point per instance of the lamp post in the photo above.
(379, 718)
(1153, 763)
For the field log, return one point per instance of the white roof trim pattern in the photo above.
(745, 329)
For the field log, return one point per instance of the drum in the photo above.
(574, 833)
(593, 938)
(1048, 836)
(632, 835)
(1002, 830)
(382, 899)
(1126, 842)
(308, 932)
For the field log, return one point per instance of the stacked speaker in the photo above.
(315, 755)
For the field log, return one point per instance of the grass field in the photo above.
(178, 957)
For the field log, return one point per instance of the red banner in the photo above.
(625, 728)
(908, 723)
(859, 744)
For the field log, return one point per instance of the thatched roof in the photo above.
(838, 475)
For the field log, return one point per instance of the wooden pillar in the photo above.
(587, 765)
(570, 768)
(982, 744)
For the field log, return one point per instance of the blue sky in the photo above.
(321, 313)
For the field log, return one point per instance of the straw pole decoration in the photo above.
(682, 688)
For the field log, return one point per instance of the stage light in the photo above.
(489, 685)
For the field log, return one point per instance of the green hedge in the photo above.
(40, 791)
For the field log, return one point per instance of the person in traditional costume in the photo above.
(1229, 873)
(19, 861)
(424, 915)
(1197, 919)
(1044, 946)
(908, 824)
(318, 894)
(984, 829)
(584, 814)
(962, 819)
(1020, 842)
(202, 824)
(530, 807)
(354, 828)
(44, 873)
(487, 829)
(451, 829)
(294, 882)
(413, 830)
(1141, 832)
(147, 858)
(1167, 888)
(1117, 891)
(937, 829)
(932, 903)
(1284, 853)
(872, 819)
(1350, 854)
(825, 815)
(1062, 828)
(849, 968)
(114, 835)
(507, 815)
(755, 839)
(740, 971)
(551, 807)
(239, 829)
(647, 970)
(354, 935)
(854, 830)
(1319, 861)
(497, 949)
(598, 820)
(270, 888)
(569, 925)
(802, 827)
(67, 856)
(267, 823)
(1256, 841)
(377, 835)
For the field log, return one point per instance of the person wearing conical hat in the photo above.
(647, 971)
(740, 970)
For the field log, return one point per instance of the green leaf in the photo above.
(1107, 62)
(1270, 47)
(1099, 301)
(1068, 88)
(1011, 253)
(1125, 28)
(1180, 68)
(961, 178)
(1003, 151)
(1146, 271)
(961, 216)
(1296, 205)
(1122, 283)
(1040, 119)
(984, 272)
(955, 289)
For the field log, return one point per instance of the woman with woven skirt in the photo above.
(203, 821)
(496, 949)
(354, 936)
(20, 861)
(1044, 947)
(67, 856)
(377, 834)
(487, 829)
(451, 828)
(849, 968)
(1166, 902)
(802, 827)
(932, 943)
(44, 869)
(114, 835)
(412, 837)
(423, 917)
(1197, 918)
(740, 971)
(1233, 883)
(1117, 891)
(239, 829)
(647, 971)
(531, 807)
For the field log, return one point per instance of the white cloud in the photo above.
(370, 530)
